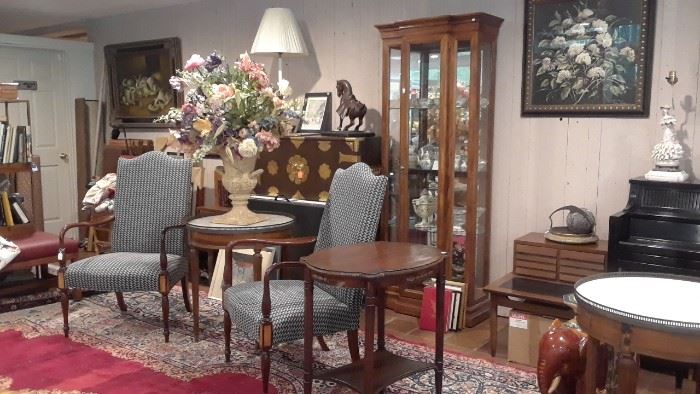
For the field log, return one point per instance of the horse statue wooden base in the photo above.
(349, 106)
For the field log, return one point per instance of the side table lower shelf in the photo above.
(388, 368)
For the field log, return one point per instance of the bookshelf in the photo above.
(15, 139)
(25, 179)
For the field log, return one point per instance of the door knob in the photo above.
(63, 155)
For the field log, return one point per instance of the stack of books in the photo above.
(15, 144)
(12, 212)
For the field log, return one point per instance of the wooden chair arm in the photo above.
(64, 230)
(163, 252)
(266, 324)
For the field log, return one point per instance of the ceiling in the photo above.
(24, 15)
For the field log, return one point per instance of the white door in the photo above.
(53, 137)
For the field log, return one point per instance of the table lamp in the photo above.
(279, 34)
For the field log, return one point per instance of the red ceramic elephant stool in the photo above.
(562, 360)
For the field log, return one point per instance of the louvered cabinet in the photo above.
(536, 257)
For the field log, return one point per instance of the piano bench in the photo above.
(535, 296)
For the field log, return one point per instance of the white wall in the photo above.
(539, 163)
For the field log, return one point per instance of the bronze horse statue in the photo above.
(349, 106)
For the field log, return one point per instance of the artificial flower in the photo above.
(204, 126)
(284, 88)
(194, 62)
(175, 83)
(223, 90)
(227, 107)
(213, 61)
(247, 148)
(268, 140)
(188, 108)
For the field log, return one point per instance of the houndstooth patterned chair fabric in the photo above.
(153, 191)
(124, 271)
(287, 310)
(351, 216)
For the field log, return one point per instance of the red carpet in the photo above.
(54, 363)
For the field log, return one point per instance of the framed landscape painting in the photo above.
(139, 74)
(587, 57)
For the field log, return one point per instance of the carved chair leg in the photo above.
(322, 342)
(227, 337)
(353, 345)
(185, 294)
(64, 309)
(120, 301)
(166, 315)
(265, 367)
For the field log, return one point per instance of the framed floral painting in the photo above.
(139, 74)
(587, 57)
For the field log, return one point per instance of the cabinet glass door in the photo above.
(483, 189)
(395, 142)
(423, 135)
(461, 161)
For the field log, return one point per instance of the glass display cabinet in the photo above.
(437, 135)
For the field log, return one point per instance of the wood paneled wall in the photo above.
(539, 163)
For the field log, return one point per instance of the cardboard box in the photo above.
(524, 333)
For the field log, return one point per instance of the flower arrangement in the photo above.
(231, 110)
(581, 55)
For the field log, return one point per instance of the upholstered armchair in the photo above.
(272, 311)
(153, 199)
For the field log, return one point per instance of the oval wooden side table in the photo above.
(374, 266)
(207, 236)
(638, 313)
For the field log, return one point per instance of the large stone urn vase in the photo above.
(239, 179)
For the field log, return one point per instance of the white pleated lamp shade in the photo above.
(279, 33)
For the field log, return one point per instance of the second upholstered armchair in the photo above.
(272, 311)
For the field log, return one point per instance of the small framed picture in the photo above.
(316, 113)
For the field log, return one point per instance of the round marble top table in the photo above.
(211, 237)
(639, 313)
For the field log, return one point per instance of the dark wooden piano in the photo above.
(658, 231)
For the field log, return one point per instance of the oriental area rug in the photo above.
(110, 351)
